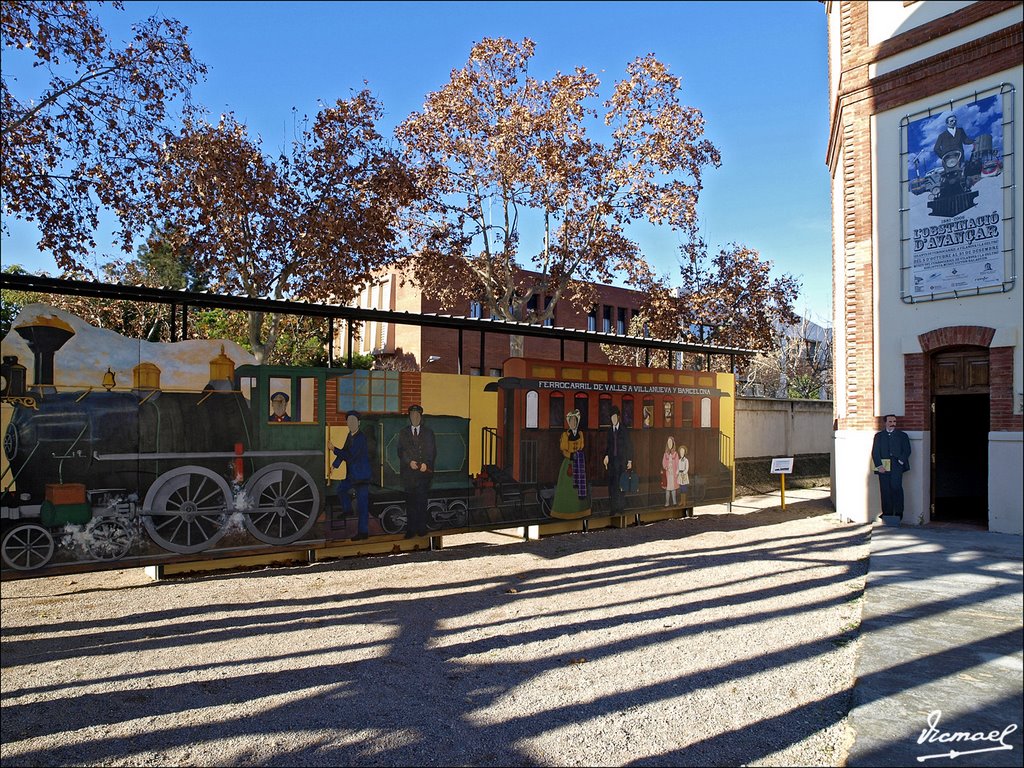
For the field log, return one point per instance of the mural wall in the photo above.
(119, 452)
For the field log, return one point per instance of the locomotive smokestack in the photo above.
(44, 337)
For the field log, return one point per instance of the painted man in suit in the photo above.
(890, 456)
(953, 138)
(356, 485)
(416, 453)
(618, 458)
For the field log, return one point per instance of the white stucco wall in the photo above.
(1005, 459)
(904, 322)
(898, 325)
(887, 19)
(769, 427)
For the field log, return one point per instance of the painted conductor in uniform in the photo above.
(416, 453)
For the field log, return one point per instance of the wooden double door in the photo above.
(960, 427)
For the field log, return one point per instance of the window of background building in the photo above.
(620, 323)
(551, 320)
(474, 371)
(604, 411)
(592, 319)
(476, 309)
(531, 305)
(494, 372)
(606, 320)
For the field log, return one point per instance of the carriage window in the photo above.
(648, 413)
(306, 407)
(556, 410)
(368, 392)
(604, 411)
(687, 413)
(581, 404)
(668, 412)
(247, 385)
(705, 412)
(291, 402)
(627, 410)
(532, 403)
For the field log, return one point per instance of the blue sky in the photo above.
(758, 71)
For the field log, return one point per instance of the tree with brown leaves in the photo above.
(726, 300)
(730, 299)
(89, 139)
(519, 201)
(311, 224)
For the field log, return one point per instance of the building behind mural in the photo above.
(927, 229)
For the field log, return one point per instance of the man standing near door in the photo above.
(890, 456)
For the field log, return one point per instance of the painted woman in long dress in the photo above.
(572, 499)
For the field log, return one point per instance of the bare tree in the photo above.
(798, 364)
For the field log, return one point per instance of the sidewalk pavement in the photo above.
(939, 674)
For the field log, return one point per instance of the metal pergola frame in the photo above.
(185, 299)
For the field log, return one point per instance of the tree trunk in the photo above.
(516, 346)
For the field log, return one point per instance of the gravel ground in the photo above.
(729, 638)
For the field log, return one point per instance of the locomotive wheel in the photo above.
(285, 503)
(186, 509)
(437, 518)
(446, 514)
(27, 546)
(109, 539)
(459, 512)
(393, 518)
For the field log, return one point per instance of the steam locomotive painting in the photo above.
(109, 464)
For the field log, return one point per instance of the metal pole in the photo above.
(460, 350)
(330, 342)
(348, 325)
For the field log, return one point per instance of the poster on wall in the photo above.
(954, 177)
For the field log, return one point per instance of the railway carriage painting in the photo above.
(121, 453)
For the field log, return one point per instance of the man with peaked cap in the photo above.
(416, 453)
(278, 406)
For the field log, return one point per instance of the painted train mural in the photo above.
(118, 452)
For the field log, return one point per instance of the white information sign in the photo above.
(782, 466)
